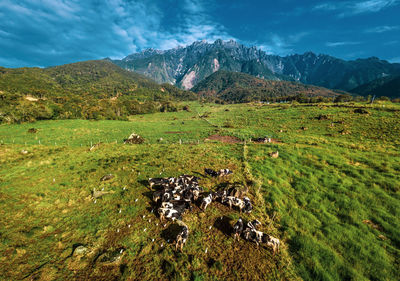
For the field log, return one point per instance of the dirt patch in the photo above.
(178, 132)
(225, 139)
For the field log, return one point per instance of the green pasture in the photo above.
(332, 196)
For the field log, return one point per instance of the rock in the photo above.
(361, 111)
(111, 256)
(322, 117)
(107, 177)
(98, 193)
(134, 139)
(274, 154)
(95, 146)
(80, 250)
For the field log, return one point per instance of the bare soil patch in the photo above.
(178, 132)
(225, 139)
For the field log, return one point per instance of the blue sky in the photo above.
(52, 32)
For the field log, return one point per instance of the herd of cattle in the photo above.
(174, 196)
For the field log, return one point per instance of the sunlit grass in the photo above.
(335, 196)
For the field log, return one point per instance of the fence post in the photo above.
(180, 141)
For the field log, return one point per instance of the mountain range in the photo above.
(187, 66)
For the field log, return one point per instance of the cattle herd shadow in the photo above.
(169, 234)
(223, 224)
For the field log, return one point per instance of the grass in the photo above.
(335, 195)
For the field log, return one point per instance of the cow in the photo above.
(188, 179)
(158, 181)
(254, 224)
(180, 206)
(195, 189)
(187, 195)
(247, 205)
(254, 235)
(230, 200)
(171, 214)
(220, 194)
(259, 237)
(158, 195)
(233, 191)
(211, 172)
(238, 229)
(274, 243)
(224, 172)
(181, 238)
(206, 201)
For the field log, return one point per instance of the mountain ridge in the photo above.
(186, 66)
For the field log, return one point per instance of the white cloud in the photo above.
(395, 60)
(343, 43)
(381, 29)
(279, 45)
(350, 8)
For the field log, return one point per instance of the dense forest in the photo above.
(85, 90)
(236, 87)
(388, 86)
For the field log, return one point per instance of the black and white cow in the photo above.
(188, 179)
(195, 190)
(238, 229)
(247, 205)
(230, 200)
(254, 224)
(170, 214)
(158, 181)
(206, 201)
(273, 242)
(181, 238)
(224, 172)
(180, 206)
(159, 194)
(254, 235)
(219, 195)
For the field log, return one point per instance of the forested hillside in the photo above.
(240, 87)
(87, 90)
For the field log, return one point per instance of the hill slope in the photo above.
(187, 66)
(387, 86)
(241, 87)
(90, 89)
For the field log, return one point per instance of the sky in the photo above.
(53, 32)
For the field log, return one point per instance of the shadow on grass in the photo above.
(224, 225)
(170, 233)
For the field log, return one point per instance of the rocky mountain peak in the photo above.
(186, 66)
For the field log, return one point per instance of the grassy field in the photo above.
(332, 196)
